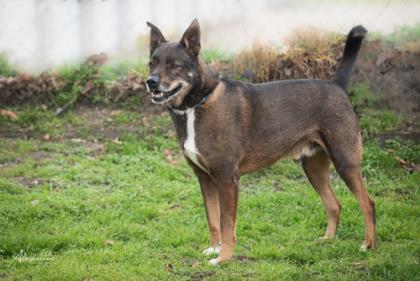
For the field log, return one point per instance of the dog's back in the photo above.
(293, 118)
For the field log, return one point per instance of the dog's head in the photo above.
(173, 67)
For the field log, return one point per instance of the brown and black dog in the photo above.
(228, 128)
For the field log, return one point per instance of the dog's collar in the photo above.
(182, 112)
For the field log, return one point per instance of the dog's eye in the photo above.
(152, 64)
(178, 64)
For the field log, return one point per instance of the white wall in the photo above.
(37, 34)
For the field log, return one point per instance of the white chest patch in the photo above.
(190, 147)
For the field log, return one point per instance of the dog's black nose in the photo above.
(153, 81)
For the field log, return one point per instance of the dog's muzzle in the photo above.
(160, 96)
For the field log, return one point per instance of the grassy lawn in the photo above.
(106, 195)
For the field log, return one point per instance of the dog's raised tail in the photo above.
(353, 43)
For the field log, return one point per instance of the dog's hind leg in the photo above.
(211, 201)
(346, 152)
(316, 168)
(352, 176)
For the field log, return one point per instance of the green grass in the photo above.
(215, 55)
(89, 205)
(6, 68)
(373, 117)
(400, 36)
(115, 70)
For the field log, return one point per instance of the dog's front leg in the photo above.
(211, 202)
(228, 198)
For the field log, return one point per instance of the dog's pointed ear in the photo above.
(191, 38)
(156, 37)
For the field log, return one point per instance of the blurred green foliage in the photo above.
(6, 68)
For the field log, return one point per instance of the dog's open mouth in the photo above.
(161, 96)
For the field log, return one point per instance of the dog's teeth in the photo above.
(158, 94)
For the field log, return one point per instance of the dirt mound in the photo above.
(47, 88)
(392, 74)
(262, 63)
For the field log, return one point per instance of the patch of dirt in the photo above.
(30, 182)
(394, 76)
(9, 131)
(201, 275)
(7, 163)
(402, 135)
(97, 126)
(242, 258)
(39, 155)
(360, 266)
(398, 191)
(278, 187)
(4, 275)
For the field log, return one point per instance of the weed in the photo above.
(407, 150)
(6, 69)
(215, 55)
(361, 96)
(400, 36)
(81, 80)
(116, 70)
(123, 116)
(372, 120)
(375, 121)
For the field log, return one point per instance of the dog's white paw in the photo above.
(215, 261)
(363, 248)
(212, 250)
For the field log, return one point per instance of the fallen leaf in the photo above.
(89, 86)
(77, 140)
(169, 267)
(146, 122)
(360, 266)
(108, 242)
(174, 206)
(8, 114)
(117, 141)
(35, 202)
(408, 165)
(97, 59)
(115, 113)
(170, 157)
